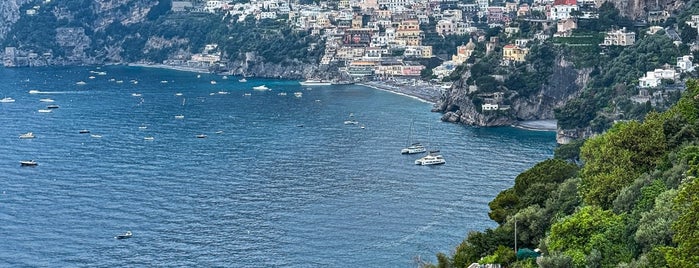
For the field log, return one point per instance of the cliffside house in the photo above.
(181, 6)
(514, 53)
(684, 64)
(561, 9)
(654, 78)
(619, 38)
(693, 21)
(565, 27)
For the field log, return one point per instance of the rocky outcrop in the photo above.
(9, 14)
(639, 9)
(565, 83)
(251, 64)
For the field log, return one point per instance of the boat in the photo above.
(80, 83)
(28, 135)
(201, 136)
(351, 122)
(213, 82)
(178, 94)
(311, 82)
(7, 100)
(242, 80)
(142, 127)
(84, 131)
(101, 73)
(342, 83)
(136, 94)
(52, 106)
(282, 94)
(179, 116)
(432, 158)
(119, 81)
(262, 87)
(247, 94)
(28, 163)
(298, 94)
(126, 235)
(415, 147)
(219, 132)
(46, 100)
(163, 81)
(95, 136)
(224, 77)
(149, 138)
(45, 110)
(34, 91)
(91, 77)
(223, 92)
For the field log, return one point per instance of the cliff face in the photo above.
(638, 9)
(565, 83)
(9, 14)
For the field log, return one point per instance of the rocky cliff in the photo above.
(639, 9)
(564, 83)
(9, 14)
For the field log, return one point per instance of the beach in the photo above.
(417, 89)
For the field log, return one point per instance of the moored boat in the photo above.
(28, 135)
(28, 163)
(262, 87)
(311, 82)
(52, 106)
(432, 158)
(126, 235)
(414, 148)
(46, 100)
(45, 110)
(7, 100)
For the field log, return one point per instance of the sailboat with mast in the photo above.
(433, 157)
(415, 147)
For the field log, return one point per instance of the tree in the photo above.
(686, 232)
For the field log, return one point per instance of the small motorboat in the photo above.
(149, 138)
(52, 106)
(46, 100)
(126, 235)
(219, 132)
(84, 131)
(95, 136)
(28, 163)
(242, 80)
(7, 100)
(80, 83)
(261, 88)
(28, 135)
(45, 110)
(179, 116)
(201, 136)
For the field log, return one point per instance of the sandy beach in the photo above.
(419, 90)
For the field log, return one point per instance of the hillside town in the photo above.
(385, 38)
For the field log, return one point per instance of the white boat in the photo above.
(351, 122)
(45, 110)
(242, 80)
(91, 77)
(415, 147)
(101, 73)
(201, 136)
(223, 92)
(95, 136)
(219, 132)
(262, 87)
(432, 158)
(142, 127)
(149, 138)
(163, 81)
(224, 77)
(34, 91)
(28, 135)
(28, 163)
(298, 94)
(126, 235)
(178, 94)
(213, 82)
(7, 100)
(311, 82)
(119, 81)
(179, 116)
(80, 83)
(247, 94)
(46, 100)
(136, 94)
(282, 94)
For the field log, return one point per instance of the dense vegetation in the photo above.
(161, 35)
(632, 203)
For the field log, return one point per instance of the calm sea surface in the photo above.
(279, 181)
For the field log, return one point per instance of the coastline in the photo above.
(421, 91)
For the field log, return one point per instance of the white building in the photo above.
(213, 6)
(685, 64)
(654, 78)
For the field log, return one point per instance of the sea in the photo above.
(247, 178)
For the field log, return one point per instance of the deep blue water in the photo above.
(263, 193)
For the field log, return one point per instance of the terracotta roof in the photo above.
(565, 2)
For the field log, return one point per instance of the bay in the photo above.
(279, 181)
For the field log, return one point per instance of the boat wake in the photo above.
(55, 92)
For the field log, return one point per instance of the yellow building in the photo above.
(409, 32)
(514, 53)
(463, 52)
